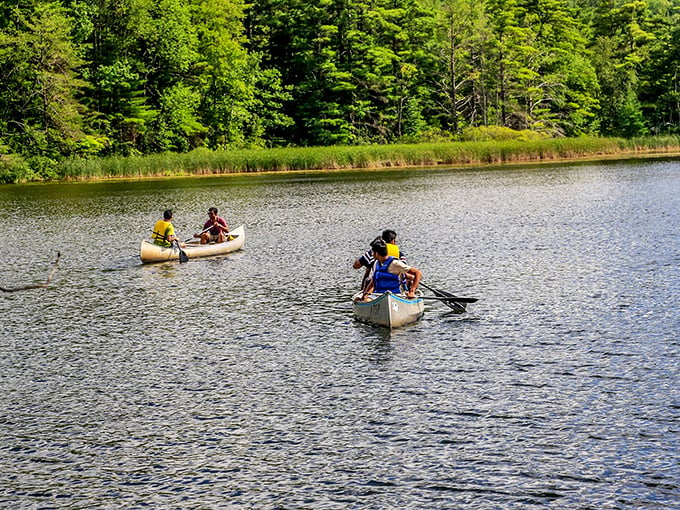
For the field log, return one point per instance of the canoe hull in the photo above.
(149, 252)
(389, 310)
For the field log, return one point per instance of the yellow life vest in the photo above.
(161, 231)
(392, 250)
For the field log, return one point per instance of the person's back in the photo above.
(383, 278)
(163, 230)
(366, 260)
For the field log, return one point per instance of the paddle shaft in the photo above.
(447, 296)
(204, 231)
(454, 299)
(228, 235)
(201, 232)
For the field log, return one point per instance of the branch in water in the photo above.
(37, 285)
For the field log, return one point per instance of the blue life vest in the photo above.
(384, 280)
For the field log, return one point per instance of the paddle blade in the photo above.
(183, 257)
(456, 303)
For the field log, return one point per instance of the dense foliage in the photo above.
(130, 77)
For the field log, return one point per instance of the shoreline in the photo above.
(608, 157)
(454, 155)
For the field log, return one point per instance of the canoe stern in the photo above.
(389, 310)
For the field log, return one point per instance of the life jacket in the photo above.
(383, 279)
(161, 231)
(392, 250)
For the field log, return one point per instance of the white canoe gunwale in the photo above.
(389, 310)
(150, 252)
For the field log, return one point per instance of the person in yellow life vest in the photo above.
(387, 272)
(164, 231)
(366, 260)
(390, 236)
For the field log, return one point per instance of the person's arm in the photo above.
(417, 275)
(221, 223)
(170, 234)
(172, 237)
(366, 279)
(367, 291)
(413, 275)
(365, 260)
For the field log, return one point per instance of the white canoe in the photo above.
(389, 310)
(150, 252)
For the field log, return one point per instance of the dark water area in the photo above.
(243, 381)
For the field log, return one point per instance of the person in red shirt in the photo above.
(215, 230)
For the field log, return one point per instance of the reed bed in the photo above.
(206, 162)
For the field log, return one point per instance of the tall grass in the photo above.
(206, 162)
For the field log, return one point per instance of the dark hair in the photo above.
(167, 214)
(370, 245)
(213, 210)
(379, 247)
(389, 236)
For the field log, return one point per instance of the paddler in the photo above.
(366, 260)
(215, 229)
(164, 231)
(386, 273)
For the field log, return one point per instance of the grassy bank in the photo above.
(205, 162)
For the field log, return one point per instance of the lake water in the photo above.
(244, 382)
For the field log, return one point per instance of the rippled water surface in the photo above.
(244, 382)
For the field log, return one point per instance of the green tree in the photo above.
(355, 67)
(120, 88)
(38, 65)
(241, 103)
(620, 46)
(660, 73)
(561, 94)
(458, 91)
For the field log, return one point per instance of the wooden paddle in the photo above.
(449, 297)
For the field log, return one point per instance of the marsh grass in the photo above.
(207, 162)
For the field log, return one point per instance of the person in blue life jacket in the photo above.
(366, 260)
(386, 273)
(164, 231)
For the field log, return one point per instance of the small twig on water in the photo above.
(47, 282)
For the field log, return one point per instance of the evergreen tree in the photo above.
(660, 73)
(41, 117)
(620, 46)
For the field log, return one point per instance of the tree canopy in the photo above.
(101, 77)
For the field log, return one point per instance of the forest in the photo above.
(98, 78)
